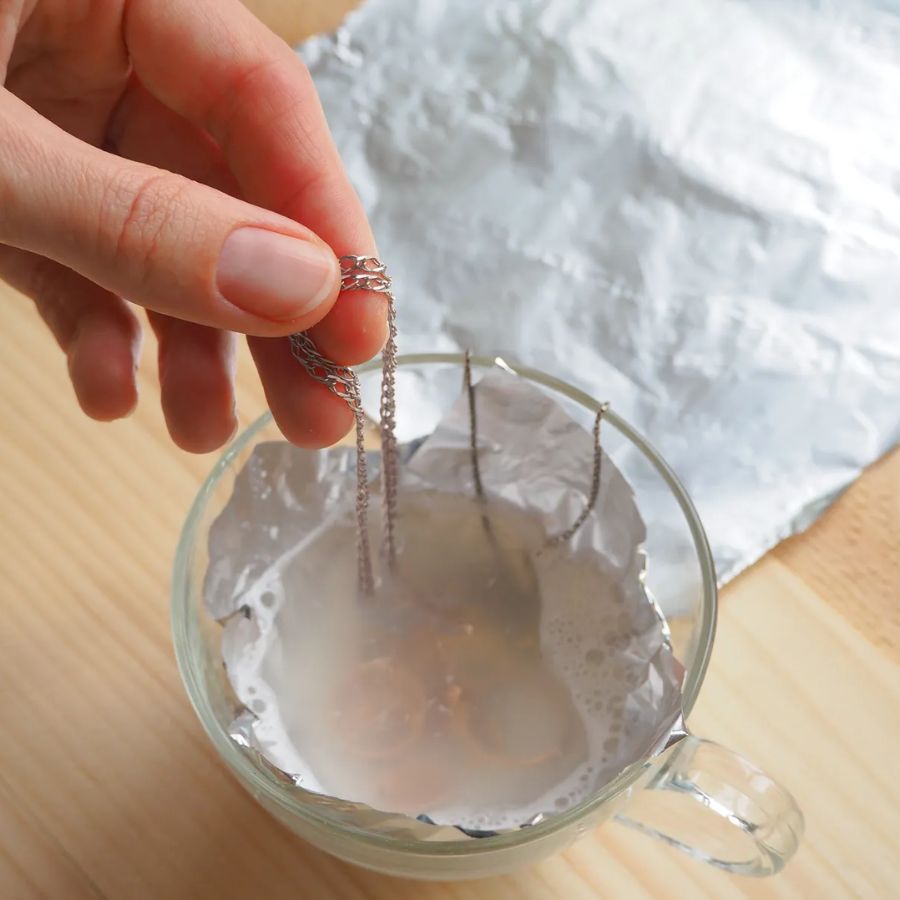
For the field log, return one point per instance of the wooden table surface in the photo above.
(109, 788)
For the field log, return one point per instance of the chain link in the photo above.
(388, 417)
(364, 273)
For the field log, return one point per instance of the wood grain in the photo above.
(851, 556)
(109, 788)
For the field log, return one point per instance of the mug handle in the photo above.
(749, 824)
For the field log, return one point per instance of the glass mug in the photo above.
(697, 796)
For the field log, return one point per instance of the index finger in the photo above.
(215, 64)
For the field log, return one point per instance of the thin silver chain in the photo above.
(370, 275)
(364, 273)
(473, 425)
(594, 490)
(469, 388)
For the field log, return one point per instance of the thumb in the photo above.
(160, 240)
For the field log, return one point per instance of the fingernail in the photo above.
(274, 276)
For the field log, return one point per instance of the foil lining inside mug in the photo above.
(461, 650)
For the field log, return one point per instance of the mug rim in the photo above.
(184, 625)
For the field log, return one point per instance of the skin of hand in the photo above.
(165, 153)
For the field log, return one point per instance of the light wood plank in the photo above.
(32, 864)
(851, 557)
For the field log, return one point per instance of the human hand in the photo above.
(129, 129)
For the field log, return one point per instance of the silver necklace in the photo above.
(364, 273)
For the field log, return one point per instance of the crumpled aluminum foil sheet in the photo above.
(282, 564)
(691, 209)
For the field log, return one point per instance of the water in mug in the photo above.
(444, 694)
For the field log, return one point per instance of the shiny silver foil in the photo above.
(290, 519)
(691, 209)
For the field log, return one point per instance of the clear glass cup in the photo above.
(697, 796)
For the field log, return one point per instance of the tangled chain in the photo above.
(364, 273)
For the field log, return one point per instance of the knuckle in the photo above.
(23, 165)
(148, 212)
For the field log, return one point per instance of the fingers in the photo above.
(217, 66)
(170, 244)
(196, 373)
(145, 130)
(98, 333)
(195, 362)
(307, 413)
(102, 360)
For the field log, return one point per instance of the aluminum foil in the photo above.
(282, 565)
(691, 209)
